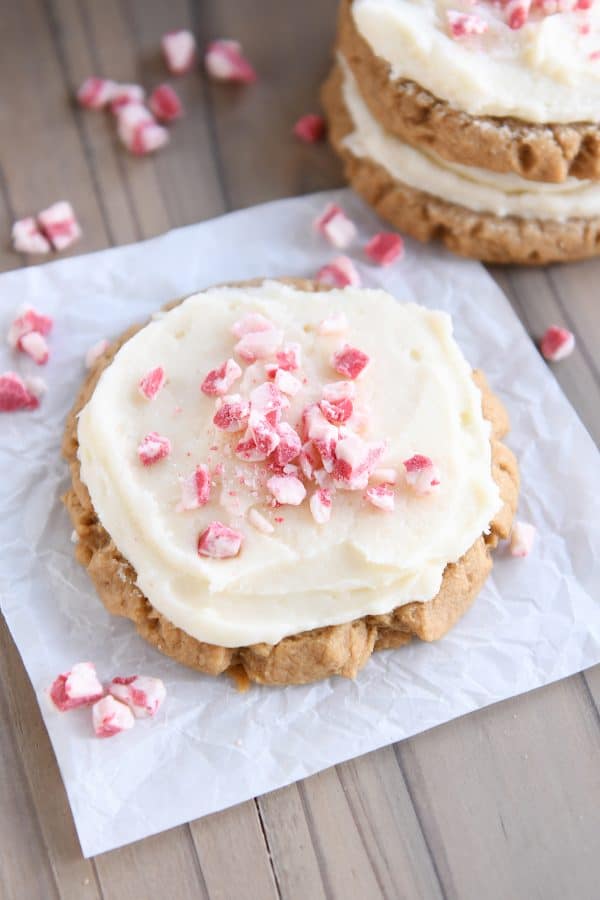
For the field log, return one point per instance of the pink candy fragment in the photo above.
(27, 237)
(36, 386)
(349, 361)
(94, 353)
(287, 489)
(289, 357)
(224, 61)
(381, 496)
(320, 506)
(59, 225)
(139, 131)
(79, 687)
(15, 395)
(355, 460)
(522, 538)
(125, 94)
(179, 51)
(165, 104)
(287, 383)
(340, 272)
(310, 128)
(247, 449)
(339, 390)
(195, 489)
(268, 400)
(384, 248)
(153, 448)
(557, 343)
(516, 13)
(289, 445)
(421, 474)
(35, 346)
(218, 541)
(336, 323)
(256, 345)
(263, 433)
(151, 383)
(250, 323)
(336, 226)
(465, 24)
(29, 320)
(110, 717)
(141, 693)
(218, 381)
(233, 414)
(95, 93)
(337, 412)
(309, 460)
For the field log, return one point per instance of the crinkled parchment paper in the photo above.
(537, 620)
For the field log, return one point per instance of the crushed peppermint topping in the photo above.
(153, 448)
(421, 474)
(195, 489)
(465, 24)
(233, 413)
(260, 522)
(218, 541)
(336, 323)
(150, 384)
(381, 496)
(320, 506)
(218, 381)
(287, 489)
(349, 361)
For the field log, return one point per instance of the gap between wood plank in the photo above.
(426, 841)
(315, 844)
(268, 847)
(590, 696)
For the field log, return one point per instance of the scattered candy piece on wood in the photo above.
(165, 104)
(96, 93)
(310, 128)
(27, 237)
(557, 343)
(224, 61)
(179, 51)
(59, 225)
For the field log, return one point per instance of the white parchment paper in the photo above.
(537, 620)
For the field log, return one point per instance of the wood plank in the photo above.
(508, 797)
(233, 854)
(42, 782)
(261, 158)
(159, 867)
(18, 823)
(292, 852)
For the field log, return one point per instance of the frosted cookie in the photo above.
(475, 212)
(255, 490)
(459, 80)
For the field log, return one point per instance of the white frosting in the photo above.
(543, 72)
(478, 189)
(421, 397)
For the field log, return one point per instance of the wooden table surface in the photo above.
(503, 803)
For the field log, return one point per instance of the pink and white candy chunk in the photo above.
(110, 717)
(95, 93)
(218, 381)
(339, 390)
(522, 538)
(143, 694)
(59, 224)
(28, 320)
(337, 412)
(381, 496)
(251, 323)
(336, 323)
(94, 353)
(289, 357)
(151, 383)
(310, 129)
(35, 346)
(179, 51)
(79, 687)
(349, 361)
(125, 94)
(355, 460)
(263, 433)
(233, 413)
(139, 131)
(195, 489)
(224, 61)
(384, 248)
(516, 13)
(336, 226)
(557, 343)
(287, 383)
(218, 541)
(165, 104)
(27, 237)
(256, 345)
(153, 448)
(15, 395)
(465, 24)
(289, 445)
(287, 489)
(421, 474)
(320, 506)
(340, 272)
(268, 400)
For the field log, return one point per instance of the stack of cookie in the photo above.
(475, 123)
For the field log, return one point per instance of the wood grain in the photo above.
(502, 803)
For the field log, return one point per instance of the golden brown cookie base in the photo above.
(537, 152)
(483, 236)
(310, 655)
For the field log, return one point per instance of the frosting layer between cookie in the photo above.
(477, 189)
(417, 393)
(548, 71)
